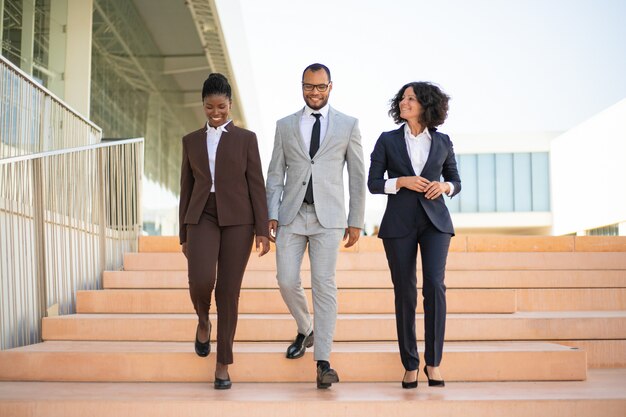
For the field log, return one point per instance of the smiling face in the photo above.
(216, 108)
(316, 99)
(410, 108)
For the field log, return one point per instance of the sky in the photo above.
(509, 66)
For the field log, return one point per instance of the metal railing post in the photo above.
(102, 208)
(39, 236)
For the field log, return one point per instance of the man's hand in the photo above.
(273, 227)
(185, 250)
(415, 183)
(352, 234)
(435, 189)
(264, 244)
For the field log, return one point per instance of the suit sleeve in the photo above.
(276, 177)
(378, 167)
(186, 186)
(356, 179)
(450, 172)
(256, 187)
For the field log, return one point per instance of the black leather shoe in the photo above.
(326, 377)
(298, 347)
(203, 348)
(222, 383)
(434, 382)
(409, 385)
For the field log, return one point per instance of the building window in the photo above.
(503, 182)
(610, 230)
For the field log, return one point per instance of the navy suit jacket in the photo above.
(391, 155)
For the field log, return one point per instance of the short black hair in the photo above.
(316, 67)
(433, 100)
(216, 84)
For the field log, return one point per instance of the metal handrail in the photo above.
(30, 80)
(65, 217)
(68, 150)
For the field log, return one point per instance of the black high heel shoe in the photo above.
(222, 383)
(434, 382)
(409, 385)
(203, 348)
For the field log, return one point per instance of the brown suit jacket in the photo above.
(239, 184)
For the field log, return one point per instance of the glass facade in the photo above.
(127, 90)
(12, 31)
(503, 182)
(26, 36)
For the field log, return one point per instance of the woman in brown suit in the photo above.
(222, 208)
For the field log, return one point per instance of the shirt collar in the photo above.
(408, 135)
(221, 128)
(323, 111)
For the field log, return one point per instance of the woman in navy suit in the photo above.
(415, 157)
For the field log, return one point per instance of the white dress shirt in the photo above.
(213, 135)
(419, 149)
(306, 124)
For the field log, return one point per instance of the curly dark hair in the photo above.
(433, 100)
(216, 84)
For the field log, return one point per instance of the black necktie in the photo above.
(315, 145)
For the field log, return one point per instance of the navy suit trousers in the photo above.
(402, 258)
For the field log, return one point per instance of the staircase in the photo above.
(520, 310)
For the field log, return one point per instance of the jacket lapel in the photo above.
(224, 142)
(400, 144)
(330, 130)
(297, 134)
(435, 144)
(201, 148)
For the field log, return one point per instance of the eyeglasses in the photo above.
(320, 87)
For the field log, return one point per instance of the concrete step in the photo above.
(265, 362)
(270, 301)
(568, 299)
(368, 261)
(602, 394)
(601, 353)
(382, 279)
(460, 243)
(350, 327)
(368, 301)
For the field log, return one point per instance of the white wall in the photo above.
(588, 166)
(509, 142)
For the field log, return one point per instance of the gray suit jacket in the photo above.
(291, 168)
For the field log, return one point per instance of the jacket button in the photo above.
(312, 162)
(303, 183)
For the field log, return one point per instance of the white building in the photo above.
(547, 183)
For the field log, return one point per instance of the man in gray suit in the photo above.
(305, 195)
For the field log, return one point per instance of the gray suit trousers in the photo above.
(291, 242)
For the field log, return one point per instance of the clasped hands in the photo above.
(431, 189)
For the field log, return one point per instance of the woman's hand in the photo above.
(415, 183)
(185, 249)
(435, 189)
(263, 243)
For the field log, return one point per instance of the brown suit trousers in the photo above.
(217, 258)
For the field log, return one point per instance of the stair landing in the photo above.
(602, 394)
